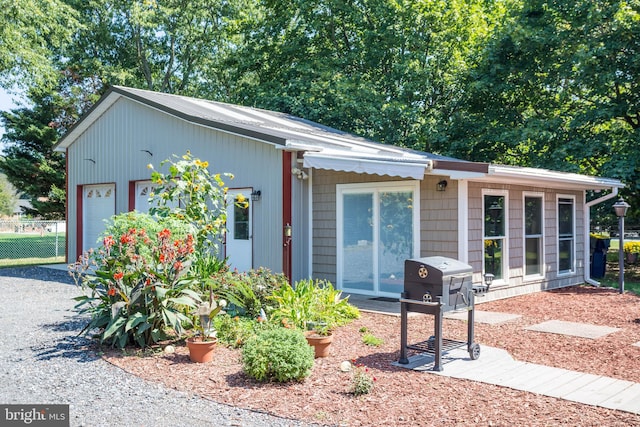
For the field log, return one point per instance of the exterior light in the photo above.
(255, 195)
(442, 185)
(488, 279)
(621, 207)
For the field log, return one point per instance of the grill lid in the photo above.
(434, 269)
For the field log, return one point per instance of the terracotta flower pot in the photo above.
(320, 343)
(201, 351)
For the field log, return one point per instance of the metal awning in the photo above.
(403, 169)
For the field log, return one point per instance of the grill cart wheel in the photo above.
(431, 342)
(474, 351)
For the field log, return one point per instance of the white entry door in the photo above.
(239, 229)
(98, 204)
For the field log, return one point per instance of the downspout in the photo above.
(587, 215)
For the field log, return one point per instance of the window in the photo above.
(241, 222)
(495, 219)
(533, 235)
(377, 230)
(566, 235)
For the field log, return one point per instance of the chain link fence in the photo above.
(32, 241)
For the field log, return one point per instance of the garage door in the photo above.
(98, 204)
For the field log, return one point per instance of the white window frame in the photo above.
(573, 269)
(376, 188)
(505, 244)
(541, 275)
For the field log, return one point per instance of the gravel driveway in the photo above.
(43, 361)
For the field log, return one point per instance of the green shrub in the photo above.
(278, 354)
(248, 292)
(234, 331)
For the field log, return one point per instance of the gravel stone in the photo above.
(44, 361)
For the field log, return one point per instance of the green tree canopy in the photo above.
(386, 70)
(558, 87)
(32, 34)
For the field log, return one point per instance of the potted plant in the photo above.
(202, 345)
(631, 250)
(314, 307)
(319, 335)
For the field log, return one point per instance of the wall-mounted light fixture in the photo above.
(255, 195)
(442, 185)
(299, 173)
(288, 232)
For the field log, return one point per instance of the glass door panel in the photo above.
(396, 239)
(358, 242)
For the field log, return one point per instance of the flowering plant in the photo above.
(136, 282)
(361, 381)
(632, 247)
(189, 192)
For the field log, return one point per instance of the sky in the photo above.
(6, 104)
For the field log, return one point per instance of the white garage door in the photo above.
(98, 204)
(143, 191)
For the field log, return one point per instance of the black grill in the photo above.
(435, 285)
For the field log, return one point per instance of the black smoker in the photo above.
(435, 285)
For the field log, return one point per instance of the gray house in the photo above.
(327, 204)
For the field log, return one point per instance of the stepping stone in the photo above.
(488, 317)
(637, 344)
(571, 328)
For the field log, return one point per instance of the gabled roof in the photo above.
(327, 148)
(324, 147)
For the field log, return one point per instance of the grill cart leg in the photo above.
(437, 366)
(470, 321)
(473, 348)
(403, 332)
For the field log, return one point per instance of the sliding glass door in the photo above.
(377, 230)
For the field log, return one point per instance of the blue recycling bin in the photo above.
(599, 258)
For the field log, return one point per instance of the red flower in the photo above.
(177, 266)
(108, 242)
(111, 292)
(118, 276)
(164, 234)
(161, 258)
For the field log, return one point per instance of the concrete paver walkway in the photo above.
(496, 366)
(582, 330)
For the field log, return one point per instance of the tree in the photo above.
(558, 87)
(8, 197)
(386, 70)
(31, 32)
(164, 46)
(29, 161)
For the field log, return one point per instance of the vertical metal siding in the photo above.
(115, 142)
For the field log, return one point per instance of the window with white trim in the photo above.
(533, 235)
(495, 234)
(566, 235)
